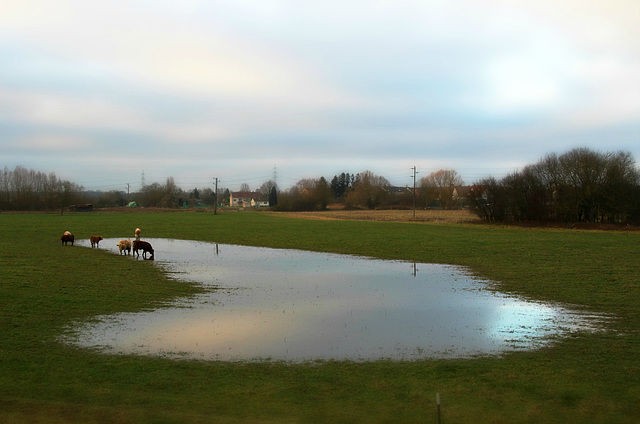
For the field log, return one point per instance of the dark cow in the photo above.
(95, 240)
(67, 237)
(145, 247)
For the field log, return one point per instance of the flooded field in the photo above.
(299, 306)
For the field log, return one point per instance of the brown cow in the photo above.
(145, 247)
(67, 237)
(95, 240)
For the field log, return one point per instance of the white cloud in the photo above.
(190, 85)
(611, 92)
(525, 82)
(141, 43)
(54, 143)
(61, 110)
(75, 112)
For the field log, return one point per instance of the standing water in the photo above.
(299, 306)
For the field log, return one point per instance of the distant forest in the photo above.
(578, 186)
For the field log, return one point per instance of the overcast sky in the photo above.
(99, 92)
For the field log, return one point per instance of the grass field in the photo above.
(587, 378)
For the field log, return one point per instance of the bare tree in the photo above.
(322, 193)
(306, 194)
(25, 189)
(369, 190)
(207, 196)
(440, 185)
(165, 196)
(110, 199)
(316, 190)
(171, 194)
(578, 186)
(267, 187)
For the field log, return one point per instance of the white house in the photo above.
(248, 200)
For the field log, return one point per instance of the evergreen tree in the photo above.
(335, 186)
(340, 184)
(273, 196)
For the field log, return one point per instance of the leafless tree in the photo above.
(580, 185)
(440, 185)
(369, 190)
(266, 187)
(26, 189)
(307, 194)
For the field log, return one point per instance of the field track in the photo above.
(438, 216)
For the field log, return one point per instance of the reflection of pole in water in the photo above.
(415, 269)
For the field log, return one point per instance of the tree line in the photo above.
(361, 190)
(578, 186)
(156, 195)
(370, 191)
(24, 189)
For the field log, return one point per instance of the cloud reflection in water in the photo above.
(301, 306)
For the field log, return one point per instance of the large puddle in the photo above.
(297, 306)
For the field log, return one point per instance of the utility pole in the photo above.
(215, 205)
(414, 192)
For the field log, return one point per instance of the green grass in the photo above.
(586, 378)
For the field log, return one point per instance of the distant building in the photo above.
(399, 191)
(461, 195)
(242, 199)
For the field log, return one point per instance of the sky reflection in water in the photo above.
(302, 306)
